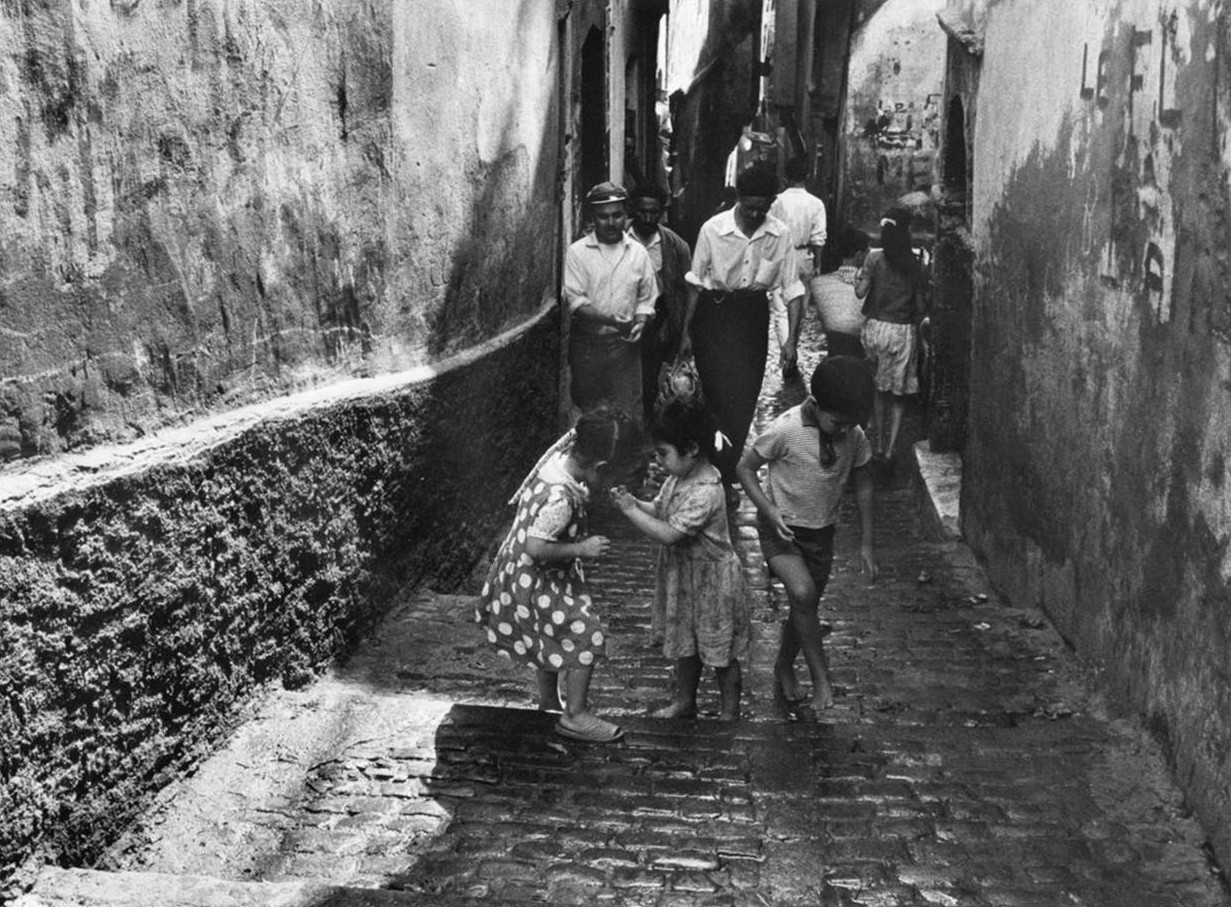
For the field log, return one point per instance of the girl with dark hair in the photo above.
(893, 288)
(700, 600)
(535, 604)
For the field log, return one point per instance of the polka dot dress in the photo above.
(542, 614)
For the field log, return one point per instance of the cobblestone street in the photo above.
(968, 761)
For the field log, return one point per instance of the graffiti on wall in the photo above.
(1137, 245)
(904, 135)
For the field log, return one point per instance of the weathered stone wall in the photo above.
(203, 203)
(892, 117)
(137, 611)
(1096, 479)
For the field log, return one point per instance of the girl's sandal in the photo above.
(591, 730)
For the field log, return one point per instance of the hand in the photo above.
(622, 499)
(788, 355)
(594, 546)
(779, 525)
(867, 562)
(634, 333)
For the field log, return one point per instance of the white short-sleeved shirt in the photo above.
(726, 259)
(804, 215)
(616, 279)
(806, 492)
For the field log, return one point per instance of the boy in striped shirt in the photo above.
(810, 452)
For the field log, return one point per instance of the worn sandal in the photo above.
(592, 730)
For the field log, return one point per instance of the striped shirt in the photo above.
(805, 492)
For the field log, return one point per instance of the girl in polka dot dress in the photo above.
(535, 604)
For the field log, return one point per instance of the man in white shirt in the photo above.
(741, 255)
(804, 214)
(610, 288)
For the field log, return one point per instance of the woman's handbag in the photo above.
(680, 381)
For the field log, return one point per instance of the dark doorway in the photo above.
(593, 111)
(955, 148)
(948, 377)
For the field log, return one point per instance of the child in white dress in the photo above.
(700, 600)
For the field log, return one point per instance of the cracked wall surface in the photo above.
(205, 203)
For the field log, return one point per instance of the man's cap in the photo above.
(604, 193)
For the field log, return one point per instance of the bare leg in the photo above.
(878, 423)
(577, 692)
(730, 685)
(785, 681)
(549, 690)
(804, 599)
(687, 678)
(896, 407)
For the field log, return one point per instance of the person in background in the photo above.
(741, 255)
(891, 284)
(834, 297)
(671, 259)
(610, 288)
(804, 214)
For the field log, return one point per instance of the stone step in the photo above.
(56, 887)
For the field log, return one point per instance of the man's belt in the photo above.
(744, 294)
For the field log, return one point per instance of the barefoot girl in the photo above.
(700, 603)
(535, 604)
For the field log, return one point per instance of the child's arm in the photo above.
(863, 499)
(546, 551)
(641, 515)
(643, 506)
(863, 282)
(747, 472)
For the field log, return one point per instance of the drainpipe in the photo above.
(564, 181)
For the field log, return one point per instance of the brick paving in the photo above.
(968, 761)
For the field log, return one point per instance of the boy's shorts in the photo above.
(815, 546)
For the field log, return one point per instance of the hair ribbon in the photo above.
(564, 442)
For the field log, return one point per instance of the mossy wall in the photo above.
(137, 614)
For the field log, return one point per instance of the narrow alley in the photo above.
(294, 292)
(967, 762)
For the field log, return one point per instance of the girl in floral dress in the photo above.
(535, 604)
(701, 601)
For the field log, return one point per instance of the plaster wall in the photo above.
(892, 118)
(203, 203)
(1095, 479)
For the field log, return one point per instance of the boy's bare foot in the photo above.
(823, 698)
(676, 710)
(786, 685)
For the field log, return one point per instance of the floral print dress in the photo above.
(701, 599)
(542, 614)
